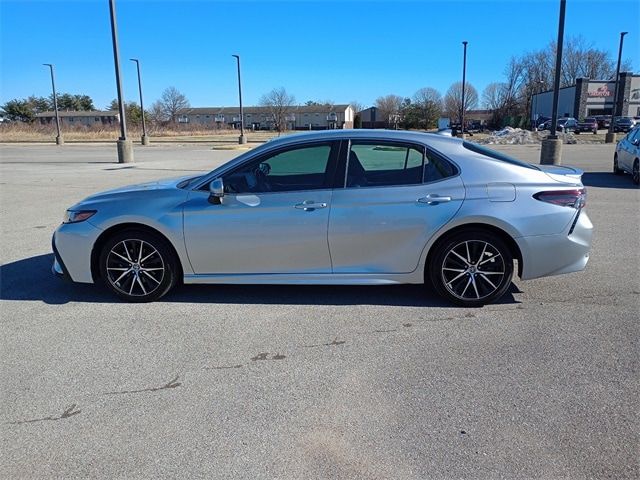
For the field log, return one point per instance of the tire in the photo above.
(616, 170)
(454, 270)
(138, 266)
(635, 172)
(595, 132)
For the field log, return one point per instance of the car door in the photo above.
(394, 197)
(627, 150)
(272, 219)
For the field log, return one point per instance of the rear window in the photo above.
(487, 152)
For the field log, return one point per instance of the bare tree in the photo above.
(453, 100)
(357, 106)
(280, 104)
(390, 106)
(171, 102)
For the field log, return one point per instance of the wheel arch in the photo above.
(499, 232)
(97, 246)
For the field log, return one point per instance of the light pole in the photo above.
(59, 139)
(464, 80)
(610, 137)
(242, 140)
(551, 151)
(125, 147)
(144, 139)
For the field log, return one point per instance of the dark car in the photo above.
(623, 124)
(566, 124)
(546, 125)
(603, 121)
(589, 124)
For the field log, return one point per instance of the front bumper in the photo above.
(567, 252)
(72, 245)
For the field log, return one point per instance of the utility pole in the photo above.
(59, 139)
(610, 137)
(242, 140)
(125, 146)
(464, 81)
(551, 151)
(144, 140)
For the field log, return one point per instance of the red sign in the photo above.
(602, 91)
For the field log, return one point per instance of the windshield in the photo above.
(562, 121)
(487, 152)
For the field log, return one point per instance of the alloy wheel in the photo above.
(473, 270)
(135, 267)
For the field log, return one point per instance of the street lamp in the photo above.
(59, 140)
(551, 151)
(144, 140)
(464, 76)
(242, 140)
(125, 147)
(610, 137)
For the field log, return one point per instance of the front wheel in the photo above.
(616, 168)
(138, 266)
(635, 172)
(472, 268)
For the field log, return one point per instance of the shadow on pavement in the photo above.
(31, 279)
(607, 180)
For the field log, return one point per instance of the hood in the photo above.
(139, 187)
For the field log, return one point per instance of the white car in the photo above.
(367, 207)
(627, 156)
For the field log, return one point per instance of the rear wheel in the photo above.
(616, 170)
(472, 268)
(138, 266)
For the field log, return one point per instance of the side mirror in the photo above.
(216, 191)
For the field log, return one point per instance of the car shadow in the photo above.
(31, 279)
(607, 180)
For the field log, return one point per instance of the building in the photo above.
(591, 97)
(88, 118)
(301, 117)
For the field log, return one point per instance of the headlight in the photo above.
(75, 216)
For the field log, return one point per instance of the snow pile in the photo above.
(510, 136)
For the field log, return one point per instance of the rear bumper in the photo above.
(567, 252)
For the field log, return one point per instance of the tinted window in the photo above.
(436, 168)
(383, 164)
(303, 168)
(487, 152)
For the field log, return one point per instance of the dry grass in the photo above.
(21, 132)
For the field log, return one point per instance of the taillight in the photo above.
(564, 198)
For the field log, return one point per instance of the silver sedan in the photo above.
(344, 207)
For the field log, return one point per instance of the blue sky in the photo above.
(336, 50)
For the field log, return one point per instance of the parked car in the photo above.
(627, 155)
(603, 121)
(546, 125)
(566, 124)
(623, 124)
(589, 124)
(344, 207)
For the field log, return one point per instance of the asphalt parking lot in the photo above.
(310, 382)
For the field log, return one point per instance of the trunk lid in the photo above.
(563, 174)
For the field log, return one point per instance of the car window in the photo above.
(372, 164)
(436, 168)
(487, 152)
(302, 168)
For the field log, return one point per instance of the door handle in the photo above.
(434, 199)
(310, 205)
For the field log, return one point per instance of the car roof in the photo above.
(434, 139)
